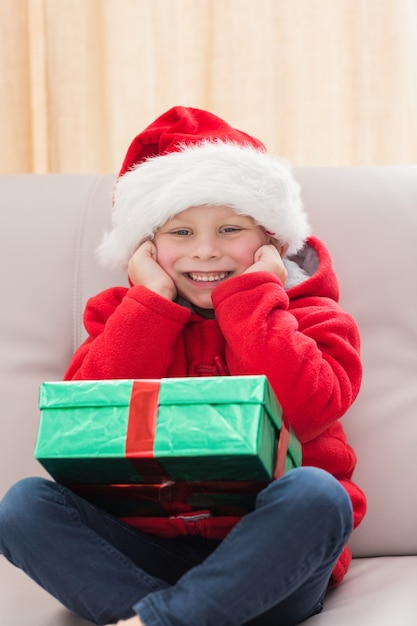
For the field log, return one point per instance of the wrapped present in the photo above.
(170, 430)
(172, 498)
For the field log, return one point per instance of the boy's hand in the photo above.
(268, 259)
(144, 270)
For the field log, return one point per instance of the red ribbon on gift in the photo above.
(283, 443)
(141, 429)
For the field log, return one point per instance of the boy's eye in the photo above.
(183, 232)
(230, 229)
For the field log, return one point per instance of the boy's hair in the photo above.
(189, 157)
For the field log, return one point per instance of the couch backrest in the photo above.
(51, 225)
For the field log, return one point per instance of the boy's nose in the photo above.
(206, 248)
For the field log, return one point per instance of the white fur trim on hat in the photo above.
(246, 179)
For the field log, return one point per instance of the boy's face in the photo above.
(202, 247)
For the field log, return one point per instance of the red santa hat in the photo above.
(189, 157)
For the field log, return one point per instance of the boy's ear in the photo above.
(282, 248)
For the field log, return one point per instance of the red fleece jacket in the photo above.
(299, 338)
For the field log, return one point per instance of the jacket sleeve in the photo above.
(131, 334)
(309, 349)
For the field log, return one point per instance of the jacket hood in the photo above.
(310, 272)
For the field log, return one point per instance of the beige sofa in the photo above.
(50, 226)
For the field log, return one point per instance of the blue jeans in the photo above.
(272, 568)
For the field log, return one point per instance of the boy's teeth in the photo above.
(211, 278)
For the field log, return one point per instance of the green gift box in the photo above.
(171, 498)
(174, 429)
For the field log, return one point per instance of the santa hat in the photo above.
(189, 157)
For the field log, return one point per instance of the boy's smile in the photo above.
(209, 277)
(203, 246)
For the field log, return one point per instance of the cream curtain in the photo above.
(323, 82)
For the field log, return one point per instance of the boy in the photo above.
(224, 280)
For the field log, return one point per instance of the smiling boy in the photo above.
(225, 279)
(200, 248)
